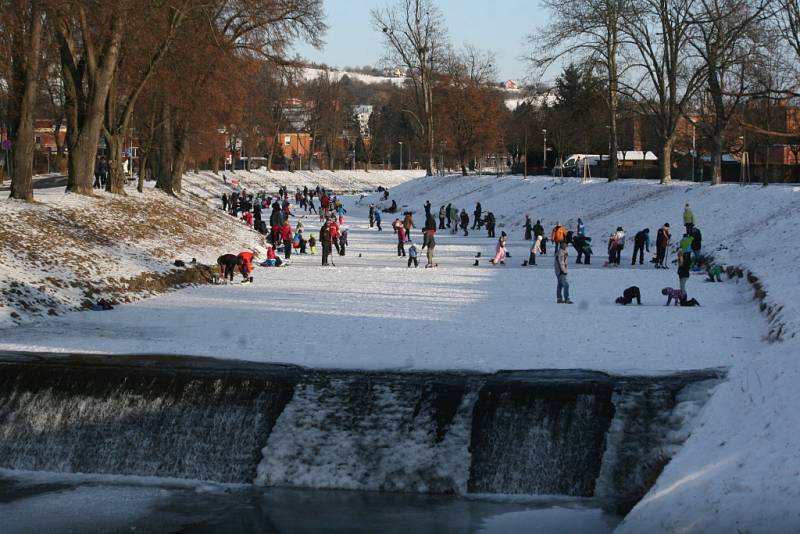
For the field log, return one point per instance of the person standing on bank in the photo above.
(560, 265)
(683, 268)
(688, 218)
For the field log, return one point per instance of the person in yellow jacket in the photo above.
(688, 218)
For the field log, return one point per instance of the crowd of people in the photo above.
(689, 250)
(282, 237)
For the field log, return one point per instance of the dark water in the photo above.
(547, 432)
(65, 504)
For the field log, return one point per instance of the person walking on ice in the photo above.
(401, 239)
(431, 244)
(560, 265)
(500, 250)
(536, 249)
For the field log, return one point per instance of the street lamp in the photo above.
(694, 148)
(401, 154)
(544, 149)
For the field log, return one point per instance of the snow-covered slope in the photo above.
(336, 75)
(206, 184)
(65, 252)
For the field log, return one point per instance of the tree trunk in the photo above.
(716, 157)
(26, 72)
(116, 181)
(181, 151)
(167, 145)
(613, 163)
(665, 165)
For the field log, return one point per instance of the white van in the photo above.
(574, 163)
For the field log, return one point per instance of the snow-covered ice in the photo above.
(373, 312)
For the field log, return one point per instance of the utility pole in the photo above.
(401, 154)
(544, 150)
(525, 155)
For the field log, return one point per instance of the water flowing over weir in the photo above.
(552, 432)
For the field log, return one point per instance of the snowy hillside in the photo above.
(65, 252)
(206, 184)
(336, 75)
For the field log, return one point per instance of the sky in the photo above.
(500, 27)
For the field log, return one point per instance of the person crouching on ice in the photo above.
(227, 264)
(246, 266)
(629, 295)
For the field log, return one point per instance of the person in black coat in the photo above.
(477, 213)
(325, 238)
(641, 241)
(629, 295)
(276, 221)
(697, 244)
(490, 224)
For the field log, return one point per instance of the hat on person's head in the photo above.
(666, 224)
(619, 229)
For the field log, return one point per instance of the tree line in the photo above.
(713, 62)
(168, 68)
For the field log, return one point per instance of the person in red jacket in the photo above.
(325, 204)
(246, 267)
(335, 235)
(287, 235)
(401, 239)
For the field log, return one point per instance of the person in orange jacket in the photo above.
(558, 235)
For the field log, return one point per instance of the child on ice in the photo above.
(412, 256)
(629, 295)
(679, 296)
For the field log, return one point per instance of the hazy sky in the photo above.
(499, 26)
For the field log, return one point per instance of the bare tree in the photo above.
(89, 36)
(471, 109)
(727, 40)
(416, 37)
(22, 24)
(589, 29)
(664, 72)
(144, 47)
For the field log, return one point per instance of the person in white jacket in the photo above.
(561, 266)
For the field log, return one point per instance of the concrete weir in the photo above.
(542, 432)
